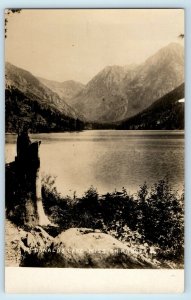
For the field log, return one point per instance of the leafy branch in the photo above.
(10, 12)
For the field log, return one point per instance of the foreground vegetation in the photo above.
(151, 222)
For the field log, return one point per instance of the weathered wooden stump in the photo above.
(23, 185)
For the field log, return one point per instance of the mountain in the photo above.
(159, 75)
(165, 113)
(117, 92)
(29, 85)
(103, 100)
(28, 101)
(66, 90)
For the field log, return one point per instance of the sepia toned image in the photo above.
(94, 130)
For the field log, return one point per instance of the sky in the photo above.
(76, 44)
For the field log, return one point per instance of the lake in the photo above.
(108, 159)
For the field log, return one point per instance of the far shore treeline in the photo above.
(22, 111)
(166, 113)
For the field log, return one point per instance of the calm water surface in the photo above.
(108, 159)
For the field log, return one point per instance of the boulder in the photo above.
(85, 248)
(75, 248)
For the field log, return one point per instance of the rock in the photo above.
(34, 245)
(85, 248)
(75, 248)
(37, 238)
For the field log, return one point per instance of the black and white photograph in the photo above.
(94, 138)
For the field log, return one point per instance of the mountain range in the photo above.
(29, 85)
(113, 96)
(117, 92)
(29, 102)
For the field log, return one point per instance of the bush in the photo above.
(161, 218)
(154, 216)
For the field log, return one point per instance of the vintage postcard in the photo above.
(94, 113)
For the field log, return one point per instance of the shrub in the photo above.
(161, 218)
(154, 216)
